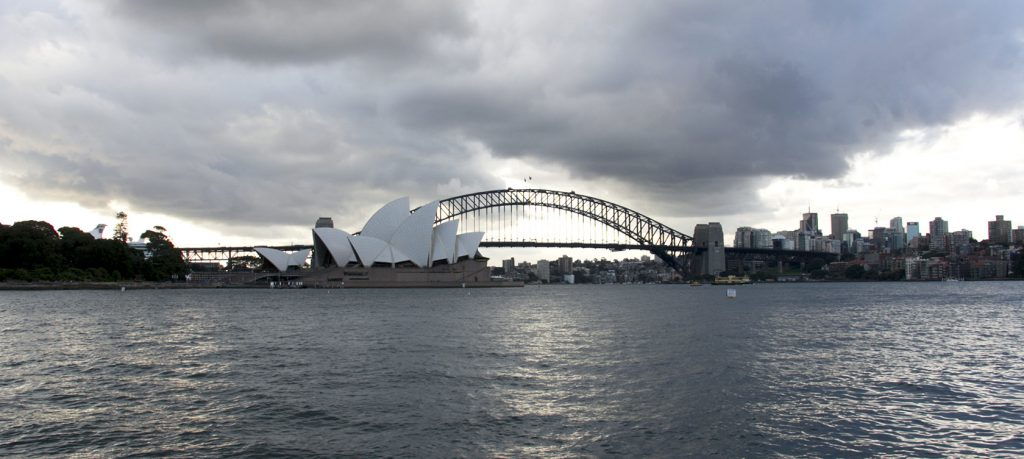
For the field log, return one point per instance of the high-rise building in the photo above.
(840, 224)
(708, 240)
(938, 231)
(544, 270)
(809, 223)
(999, 231)
(960, 242)
(897, 236)
(850, 239)
(509, 266)
(753, 238)
(565, 264)
(743, 237)
(761, 239)
(896, 224)
(880, 238)
(913, 231)
(1017, 235)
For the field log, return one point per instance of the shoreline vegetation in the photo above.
(32, 251)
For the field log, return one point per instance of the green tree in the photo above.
(251, 262)
(121, 230)
(165, 260)
(30, 245)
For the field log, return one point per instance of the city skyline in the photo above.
(216, 124)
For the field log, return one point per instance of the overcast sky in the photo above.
(243, 121)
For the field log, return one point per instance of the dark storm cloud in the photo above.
(273, 112)
(298, 31)
(714, 90)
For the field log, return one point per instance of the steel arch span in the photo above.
(645, 232)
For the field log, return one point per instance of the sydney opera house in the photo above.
(395, 248)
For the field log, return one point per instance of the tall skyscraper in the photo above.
(897, 236)
(896, 224)
(913, 231)
(840, 223)
(938, 231)
(809, 223)
(999, 231)
(509, 266)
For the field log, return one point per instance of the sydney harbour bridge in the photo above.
(539, 218)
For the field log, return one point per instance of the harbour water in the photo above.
(663, 370)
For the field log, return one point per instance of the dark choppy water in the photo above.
(830, 369)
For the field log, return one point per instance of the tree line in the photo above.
(34, 251)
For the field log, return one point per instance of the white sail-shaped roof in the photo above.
(383, 224)
(443, 244)
(97, 232)
(368, 249)
(392, 255)
(298, 258)
(282, 260)
(468, 243)
(414, 235)
(337, 244)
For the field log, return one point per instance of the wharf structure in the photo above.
(395, 248)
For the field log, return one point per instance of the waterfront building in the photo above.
(938, 232)
(565, 265)
(509, 266)
(1017, 235)
(396, 247)
(999, 231)
(544, 271)
(840, 224)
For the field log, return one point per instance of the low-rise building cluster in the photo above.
(565, 270)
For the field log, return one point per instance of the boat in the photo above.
(695, 283)
(731, 280)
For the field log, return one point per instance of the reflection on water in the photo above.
(832, 369)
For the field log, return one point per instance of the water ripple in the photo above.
(808, 370)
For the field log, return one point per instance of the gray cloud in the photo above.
(263, 112)
(300, 31)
